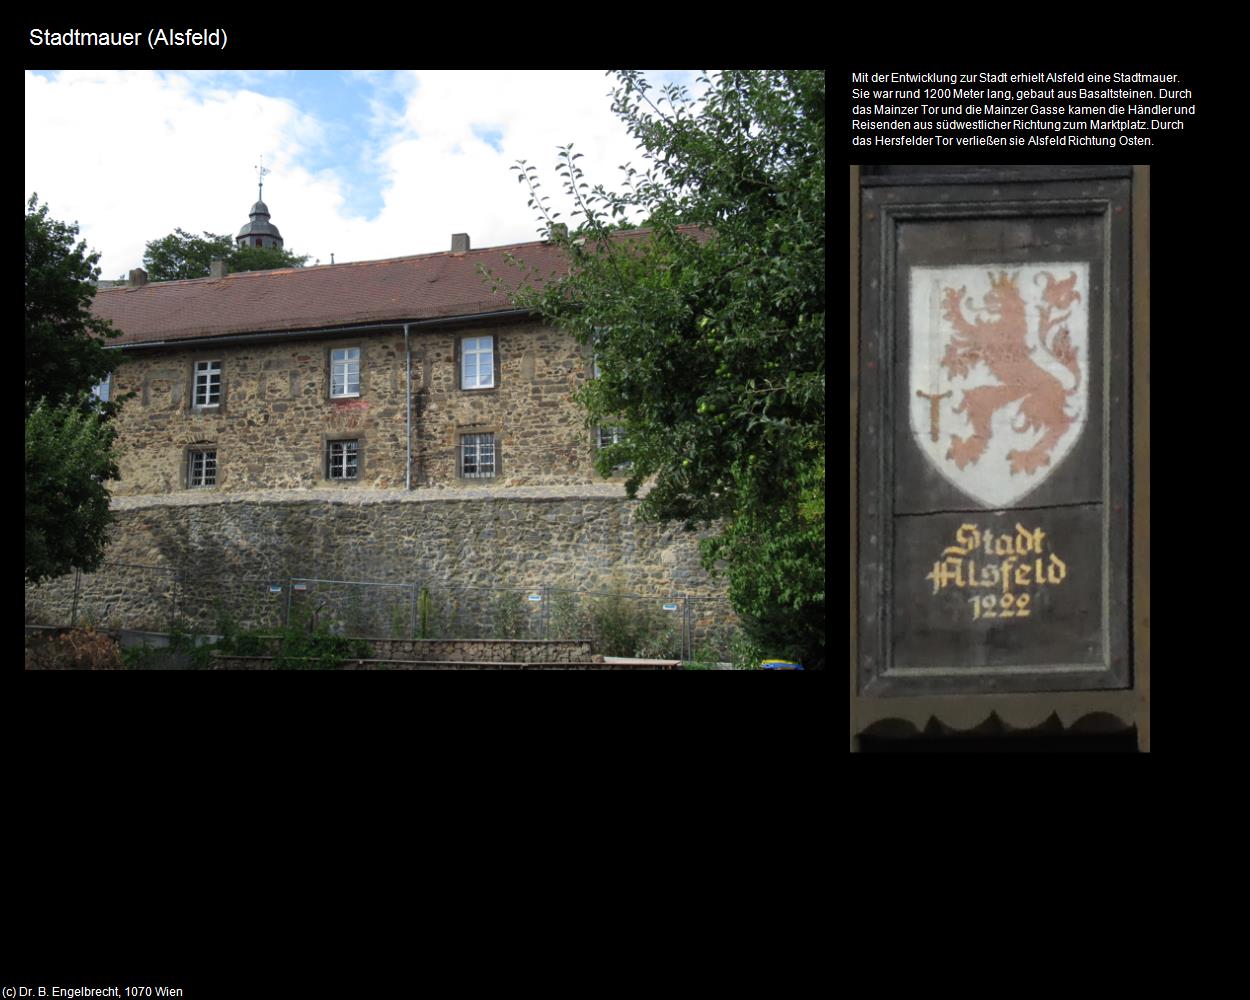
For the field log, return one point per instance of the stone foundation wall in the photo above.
(266, 663)
(478, 650)
(190, 560)
(499, 650)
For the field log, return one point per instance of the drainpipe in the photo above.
(408, 408)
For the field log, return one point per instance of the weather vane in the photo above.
(261, 170)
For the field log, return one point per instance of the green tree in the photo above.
(65, 352)
(264, 259)
(68, 434)
(68, 460)
(182, 255)
(709, 327)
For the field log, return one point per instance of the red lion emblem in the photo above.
(998, 342)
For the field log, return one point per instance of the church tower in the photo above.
(260, 232)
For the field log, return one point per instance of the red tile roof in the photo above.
(428, 286)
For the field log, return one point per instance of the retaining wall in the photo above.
(190, 558)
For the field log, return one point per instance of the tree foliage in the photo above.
(709, 327)
(264, 259)
(65, 353)
(182, 255)
(68, 460)
(69, 436)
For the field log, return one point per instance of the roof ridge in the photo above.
(376, 260)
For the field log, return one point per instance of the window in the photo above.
(345, 372)
(607, 436)
(343, 460)
(477, 456)
(477, 363)
(610, 435)
(201, 468)
(595, 335)
(207, 384)
(101, 391)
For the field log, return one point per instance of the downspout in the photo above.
(408, 409)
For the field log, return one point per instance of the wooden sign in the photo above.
(994, 431)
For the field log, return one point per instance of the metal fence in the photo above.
(126, 595)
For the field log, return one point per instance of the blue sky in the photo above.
(364, 165)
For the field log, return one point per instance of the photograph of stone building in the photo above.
(382, 422)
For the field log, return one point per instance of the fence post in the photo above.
(73, 614)
(286, 622)
(173, 610)
(412, 618)
(687, 631)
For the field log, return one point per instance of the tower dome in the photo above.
(260, 232)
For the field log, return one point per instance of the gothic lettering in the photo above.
(1003, 566)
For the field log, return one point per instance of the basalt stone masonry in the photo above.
(224, 549)
(275, 415)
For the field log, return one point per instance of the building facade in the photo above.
(358, 410)
(395, 421)
(406, 373)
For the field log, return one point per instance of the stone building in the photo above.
(390, 420)
(405, 373)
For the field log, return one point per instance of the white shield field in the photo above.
(999, 373)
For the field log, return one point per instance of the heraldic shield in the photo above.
(998, 385)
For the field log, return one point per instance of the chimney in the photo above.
(217, 268)
(138, 277)
(459, 242)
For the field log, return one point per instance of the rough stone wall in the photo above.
(474, 651)
(275, 416)
(266, 663)
(497, 651)
(540, 431)
(464, 546)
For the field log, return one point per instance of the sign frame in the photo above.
(878, 212)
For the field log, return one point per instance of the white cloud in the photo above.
(132, 155)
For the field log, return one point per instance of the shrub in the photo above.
(623, 626)
(76, 649)
(318, 650)
(355, 616)
(423, 612)
(659, 636)
(400, 621)
(302, 644)
(745, 652)
(508, 615)
(565, 621)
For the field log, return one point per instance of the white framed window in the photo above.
(610, 435)
(344, 372)
(477, 456)
(595, 336)
(607, 436)
(207, 390)
(201, 468)
(343, 460)
(101, 391)
(477, 363)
